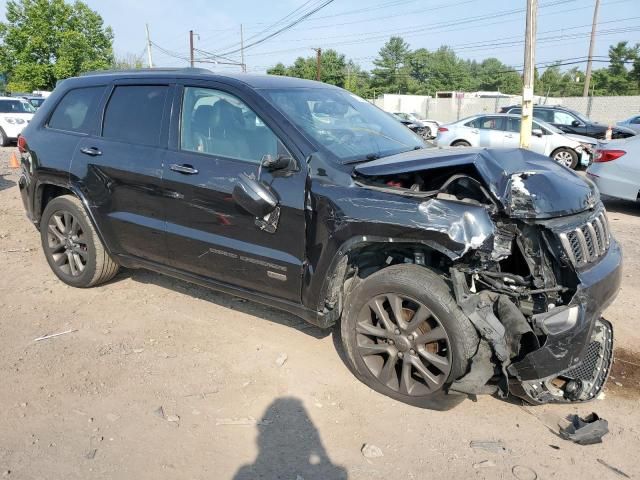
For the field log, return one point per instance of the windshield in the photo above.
(581, 117)
(345, 125)
(16, 106)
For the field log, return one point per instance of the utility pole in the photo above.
(592, 43)
(191, 48)
(526, 122)
(244, 66)
(318, 62)
(149, 58)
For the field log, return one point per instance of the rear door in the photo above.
(120, 168)
(218, 134)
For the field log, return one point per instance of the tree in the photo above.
(333, 68)
(391, 73)
(44, 41)
(494, 76)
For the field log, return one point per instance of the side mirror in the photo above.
(272, 163)
(576, 123)
(537, 132)
(254, 197)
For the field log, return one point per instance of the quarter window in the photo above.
(134, 114)
(219, 124)
(73, 113)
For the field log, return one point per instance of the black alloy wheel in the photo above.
(403, 344)
(67, 243)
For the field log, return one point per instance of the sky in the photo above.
(476, 29)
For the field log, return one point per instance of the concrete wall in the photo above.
(601, 109)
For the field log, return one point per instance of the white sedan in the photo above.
(616, 168)
(500, 130)
(15, 113)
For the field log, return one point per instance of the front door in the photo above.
(512, 137)
(120, 169)
(218, 137)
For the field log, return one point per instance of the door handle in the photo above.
(475, 131)
(91, 151)
(508, 135)
(186, 169)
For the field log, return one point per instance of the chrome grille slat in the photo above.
(587, 243)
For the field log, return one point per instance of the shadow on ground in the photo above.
(225, 300)
(5, 183)
(289, 447)
(615, 205)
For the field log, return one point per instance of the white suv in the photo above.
(15, 113)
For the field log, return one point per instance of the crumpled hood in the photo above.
(525, 184)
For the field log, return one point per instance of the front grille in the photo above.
(587, 243)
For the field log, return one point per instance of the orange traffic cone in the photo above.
(13, 161)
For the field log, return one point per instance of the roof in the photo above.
(253, 80)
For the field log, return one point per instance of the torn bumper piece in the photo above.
(573, 363)
(578, 384)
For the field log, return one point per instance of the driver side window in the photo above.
(219, 124)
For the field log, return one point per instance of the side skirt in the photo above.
(313, 317)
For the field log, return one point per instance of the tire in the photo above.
(426, 133)
(456, 340)
(4, 140)
(460, 143)
(71, 245)
(566, 157)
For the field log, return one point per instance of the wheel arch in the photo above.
(47, 191)
(364, 255)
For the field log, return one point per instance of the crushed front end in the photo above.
(536, 267)
(538, 309)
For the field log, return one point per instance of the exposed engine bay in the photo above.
(520, 279)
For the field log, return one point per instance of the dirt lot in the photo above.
(87, 404)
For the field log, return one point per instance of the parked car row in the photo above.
(427, 129)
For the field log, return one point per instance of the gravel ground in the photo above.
(87, 404)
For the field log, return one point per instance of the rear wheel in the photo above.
(405, 336)
(460, 143)
(72, 247)
(566, 157)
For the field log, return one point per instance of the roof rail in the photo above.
(147, 70)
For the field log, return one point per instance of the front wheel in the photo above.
(405, 336)
(71, 245)
(566, 157)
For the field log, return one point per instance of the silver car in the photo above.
(430, 126)
(616, 168)
(498, 130)
(632, 122)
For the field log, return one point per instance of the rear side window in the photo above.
(487, 123)
(73, 113)
(134, 114)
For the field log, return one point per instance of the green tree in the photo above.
(494, 76)
(441, 70)
(550, 83)
(43, 41)
(391, 74)
(127, 62)
(278, 69)
(332, 68)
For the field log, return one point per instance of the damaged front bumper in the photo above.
(573, 363)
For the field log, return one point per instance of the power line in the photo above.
(284, 28)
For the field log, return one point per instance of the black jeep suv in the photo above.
(570, 121)
(451, 272)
